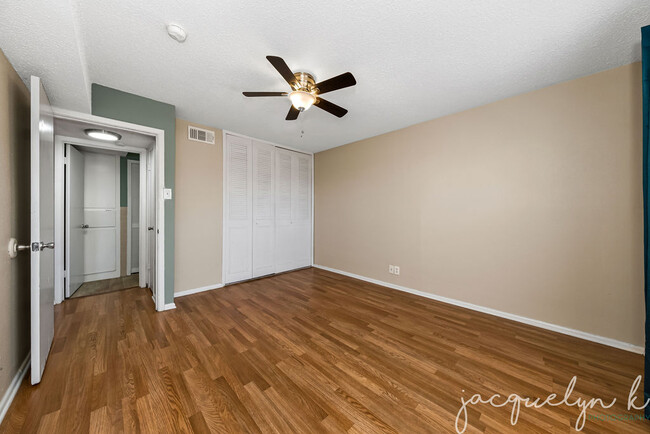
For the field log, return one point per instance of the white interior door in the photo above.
(238, 220)
(263, 209)
(284, 197)
(75, 209)
(101, 216)
(133, 217)
(42, 228)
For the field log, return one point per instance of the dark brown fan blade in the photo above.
(265, 93)
(336, 83)
(293, 114)
(330, 107)
(282, 68)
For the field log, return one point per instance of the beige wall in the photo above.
(199, 190)
(531, 205)
(14, 222)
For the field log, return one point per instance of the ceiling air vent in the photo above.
(200, 135)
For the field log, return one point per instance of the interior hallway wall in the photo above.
(199, 209)
(531, 205)
(127, 107)
(14, 221)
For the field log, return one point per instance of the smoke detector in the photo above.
(176, 32)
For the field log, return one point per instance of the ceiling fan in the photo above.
(305, 92)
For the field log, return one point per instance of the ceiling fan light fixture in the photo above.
(98, 134)
(302, 100)
(305, 91)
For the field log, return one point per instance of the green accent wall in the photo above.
(127, 107)
(123, 168)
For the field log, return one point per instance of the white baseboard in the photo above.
(197, 290)
(522, 319)
(169, 306)
(10, 394)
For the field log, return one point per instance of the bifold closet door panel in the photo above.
(284, 235)
(239, 190)
(301, 210)
(293, 210)
(263, 209)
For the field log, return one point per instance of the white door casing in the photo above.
(75, 211)
(154, 156)
(263, 209)
(42, 228)
(239, 188)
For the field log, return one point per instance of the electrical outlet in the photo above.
(396, 270)
(391, 269)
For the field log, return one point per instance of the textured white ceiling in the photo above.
(413, 60)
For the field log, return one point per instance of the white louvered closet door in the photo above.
(263, 209)
(239, 189)
(301, 210)
(284, 237)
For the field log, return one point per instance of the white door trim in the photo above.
(158, 146)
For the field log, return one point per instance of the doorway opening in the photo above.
(102, 197)
(107, 208)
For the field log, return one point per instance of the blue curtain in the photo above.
(645, 45)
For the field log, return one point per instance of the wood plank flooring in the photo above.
(308, 351)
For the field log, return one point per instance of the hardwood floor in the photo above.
(308, 351)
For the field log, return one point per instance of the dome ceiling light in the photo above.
(107, 136)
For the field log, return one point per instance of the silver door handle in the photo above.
(42, 246)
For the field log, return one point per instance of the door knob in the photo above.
(150, 228)
(43, 245)
(84, 226)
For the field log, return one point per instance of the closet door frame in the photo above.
(224, 245)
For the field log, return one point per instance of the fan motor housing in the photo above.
(305, 81)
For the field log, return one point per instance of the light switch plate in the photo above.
(391, 269)
(167, 193)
